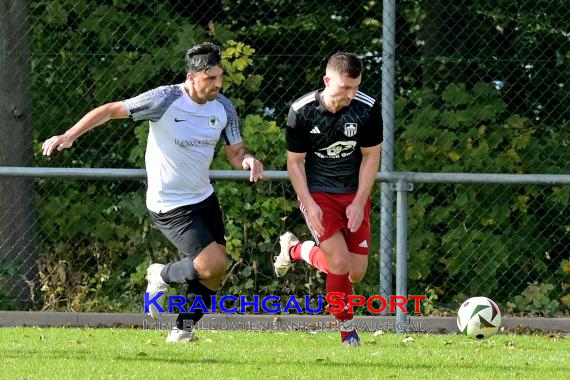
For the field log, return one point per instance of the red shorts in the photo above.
(334, 220)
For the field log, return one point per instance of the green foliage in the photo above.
(430, 304)
(294, 38)
(484, 235)
(89, 254)
(9, 269)
(236, 58)
(94, 238)
(536, 299)
(254, 222)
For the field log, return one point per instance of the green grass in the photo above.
(61, 353)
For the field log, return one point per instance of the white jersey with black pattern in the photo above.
(181, 143)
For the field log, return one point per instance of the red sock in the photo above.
(341, 284)
(316, 256)
(295, 252)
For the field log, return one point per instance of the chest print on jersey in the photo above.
(337, 150)
(213, 121)
(350, 129)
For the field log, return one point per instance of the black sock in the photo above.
(180, 272)
(186, 321)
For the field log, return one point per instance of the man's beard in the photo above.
(212, 95)
(339, 103)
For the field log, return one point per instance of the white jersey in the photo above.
(181, 142)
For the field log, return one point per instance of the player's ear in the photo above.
(190, 76)
(326, 80)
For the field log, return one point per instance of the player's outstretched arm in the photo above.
(240, 159)
(92, 119)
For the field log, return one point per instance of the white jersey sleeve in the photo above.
(231, 134)
(151, 105)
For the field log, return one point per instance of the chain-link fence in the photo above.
(480, 87)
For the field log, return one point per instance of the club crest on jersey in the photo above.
(350, 129)
(213, 121)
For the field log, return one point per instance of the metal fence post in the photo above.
(387, 197)
(402, 189)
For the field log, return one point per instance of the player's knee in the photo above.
(356, 276)
(220, 266)
(338, 264)
(212, 262)
(216, 267)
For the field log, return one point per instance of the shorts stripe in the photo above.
(311, 228)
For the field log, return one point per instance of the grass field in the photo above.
(62, 353)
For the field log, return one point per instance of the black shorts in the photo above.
(192, 228)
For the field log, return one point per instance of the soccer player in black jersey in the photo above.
(334, 140)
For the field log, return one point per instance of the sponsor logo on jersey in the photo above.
(194, 142)
(315, 130)
(363, 244)
(350, 129)
(337, 150)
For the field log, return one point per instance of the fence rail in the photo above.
(402, 184)
(279, 175)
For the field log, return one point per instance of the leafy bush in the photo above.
(94, 237)
(468, 239)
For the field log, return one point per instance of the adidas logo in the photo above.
(315, 130)
(364, 244)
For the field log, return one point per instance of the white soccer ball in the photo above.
(479, 318)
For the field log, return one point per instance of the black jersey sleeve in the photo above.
(296, 135)
(372, 134)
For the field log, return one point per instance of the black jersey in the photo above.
(332, 141)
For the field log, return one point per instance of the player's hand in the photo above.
(255, 166)
(355, 215)
(59, 142)
(314, 216)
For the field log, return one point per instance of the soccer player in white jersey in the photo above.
(186, 121)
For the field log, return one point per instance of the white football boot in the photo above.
(155, 285)
(180, 336)
(283, 261)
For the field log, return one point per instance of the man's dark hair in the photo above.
(345, 63)
(203, 57)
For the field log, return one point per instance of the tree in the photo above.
(17, 257)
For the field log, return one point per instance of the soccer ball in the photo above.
(479, 318)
